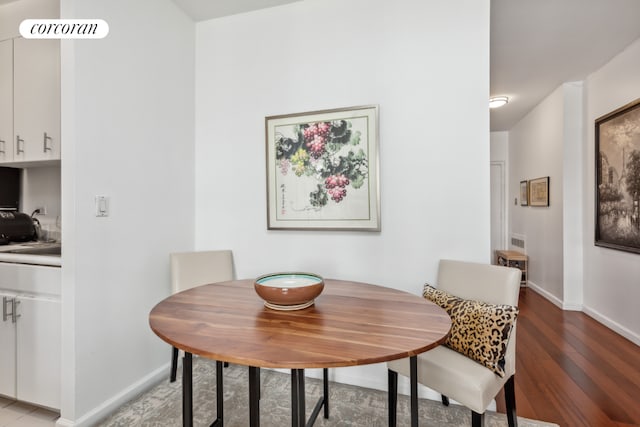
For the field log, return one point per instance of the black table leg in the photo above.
(219, 421)
(174, 364)
(392, 379)
(298, 411)
(254, 396)
(302, 412)
(298, 404)
(413, 367)
(187, 391)
(325, 378)
(294, 398)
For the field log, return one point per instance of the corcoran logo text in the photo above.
(64, 29)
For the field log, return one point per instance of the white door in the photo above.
(498, 207)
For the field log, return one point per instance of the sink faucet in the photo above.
(36, 224)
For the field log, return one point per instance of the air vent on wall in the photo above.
(518, 242)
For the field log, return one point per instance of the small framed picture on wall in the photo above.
(539, 191)
(524, 193)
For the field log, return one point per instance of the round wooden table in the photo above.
(350, 324)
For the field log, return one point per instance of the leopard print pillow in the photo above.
(479, 330)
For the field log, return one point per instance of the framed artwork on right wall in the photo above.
(617, 153)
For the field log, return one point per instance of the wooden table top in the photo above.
(350, 324)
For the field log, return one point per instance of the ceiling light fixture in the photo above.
(498, 101)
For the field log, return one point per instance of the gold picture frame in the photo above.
(539, 192)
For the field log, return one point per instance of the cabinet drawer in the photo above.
(31, 279)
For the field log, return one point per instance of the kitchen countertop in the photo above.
(30, 255)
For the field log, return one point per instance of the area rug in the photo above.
(349, 405)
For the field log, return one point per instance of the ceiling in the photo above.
(536, 45)
(201, 10)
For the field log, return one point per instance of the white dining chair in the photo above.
(453, 374)
(191, 269)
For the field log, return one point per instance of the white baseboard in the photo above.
(572, 307)
(371, 376)
(549, 296)
(109, 406)
(375, 377)
(616, 327)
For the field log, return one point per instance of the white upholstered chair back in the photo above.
(482, 282)
(190, 269)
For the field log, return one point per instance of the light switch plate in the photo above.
(102, 206)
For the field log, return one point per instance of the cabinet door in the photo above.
(6, 101)
(36, 99)
(38, 351)
(7, 351)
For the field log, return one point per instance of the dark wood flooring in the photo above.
(572, 370)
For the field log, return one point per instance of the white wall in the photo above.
(41, 187)
(127, 132)
(499, 146)
(573, 216)
(535, 150)
(426, 63)
(611, 279)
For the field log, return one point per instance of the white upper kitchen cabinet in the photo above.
(36, 99)
(6, 101)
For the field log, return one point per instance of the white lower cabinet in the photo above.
(38, 351)
(30, 335)
(7, 348)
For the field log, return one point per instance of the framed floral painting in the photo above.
(322, 170)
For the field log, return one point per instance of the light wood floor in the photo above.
(18, 414)
(573, 371)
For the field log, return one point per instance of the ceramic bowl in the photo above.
(289, 291)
